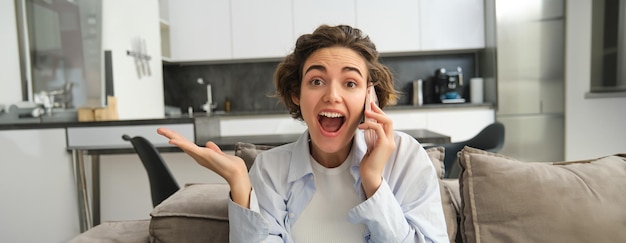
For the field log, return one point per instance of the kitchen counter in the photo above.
(44, 125)
(265, 125)
(35, 123)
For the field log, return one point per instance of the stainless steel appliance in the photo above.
(424, 92)
(526, 39)
(418, 93)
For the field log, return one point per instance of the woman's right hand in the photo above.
(230, 167)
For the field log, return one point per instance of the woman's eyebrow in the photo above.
(348, 68)
(323, 69)
(315, 67)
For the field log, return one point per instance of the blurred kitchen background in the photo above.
(251, 90)
(69, 54)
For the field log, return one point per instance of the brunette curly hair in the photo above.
(288, 75)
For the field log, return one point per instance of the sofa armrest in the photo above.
(195, 213)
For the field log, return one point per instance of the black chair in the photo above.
(162, 182)
(491, 139)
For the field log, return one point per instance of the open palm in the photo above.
(229, 167)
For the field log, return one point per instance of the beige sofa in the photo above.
(496, 199)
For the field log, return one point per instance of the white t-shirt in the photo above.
(325, 218)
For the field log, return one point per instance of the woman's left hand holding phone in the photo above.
(230, 167)
(374, 161)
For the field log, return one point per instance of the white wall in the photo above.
(125, 190)
(39, 201)
(137, 98)
(10, 79)
(593, 127)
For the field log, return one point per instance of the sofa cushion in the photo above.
(115, 231)
(506, 200)
(196, 213)
(248, 151)
(447, 188)
(436, 155)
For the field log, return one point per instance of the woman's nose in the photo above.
(333, 94)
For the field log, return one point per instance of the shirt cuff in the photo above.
(246, 224)
(382, 215)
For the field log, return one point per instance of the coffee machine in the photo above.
(449, 85)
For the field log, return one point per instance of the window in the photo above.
(60, 53)
(608, 66)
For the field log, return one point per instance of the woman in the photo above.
(327, 186)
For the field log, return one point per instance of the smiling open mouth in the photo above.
(330, 121)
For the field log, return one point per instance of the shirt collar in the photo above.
(299, 165)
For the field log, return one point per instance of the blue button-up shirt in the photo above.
(405, 208)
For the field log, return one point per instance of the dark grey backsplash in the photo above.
(249, 86)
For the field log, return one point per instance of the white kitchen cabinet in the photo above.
(261, 29)
(310, 14)
(408, 119)
(459, 123)
(38, 188)
(200, 30)
(112, 135)
(394, 26)
(260, 125)
(246, 29)
(452, 24)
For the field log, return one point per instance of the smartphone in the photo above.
(370, 135)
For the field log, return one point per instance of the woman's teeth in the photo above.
(330, 114)
(330, 121)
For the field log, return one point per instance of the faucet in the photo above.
(210, 105)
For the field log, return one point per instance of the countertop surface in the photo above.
(46, 125)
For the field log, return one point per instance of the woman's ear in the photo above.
(295, 100)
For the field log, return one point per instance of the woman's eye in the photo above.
(316, 82)
(351, 84)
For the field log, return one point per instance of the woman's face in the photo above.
(331, 99)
